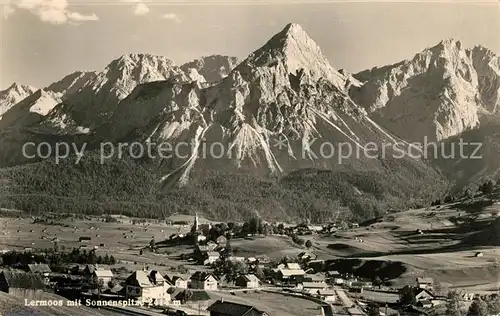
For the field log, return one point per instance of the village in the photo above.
(206, 273)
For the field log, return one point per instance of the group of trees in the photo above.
(131, 187)
(486, 307)
(51, 257)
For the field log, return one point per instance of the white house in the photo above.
(148, 287)
(248, 281)
(425, 283)
(338, 281)
(327, 295)
(179, 282)
(211, 257)
(312, 287)
(204, 281)
(103, 275)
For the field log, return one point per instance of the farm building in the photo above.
(148, 287)
(21, 284)
(84, 239)
(177, 281)
(198, 298)
(290, 272)
(248, 281)
(424, 294)
(327, 295)
(91, 268)
(223, 308)
(41, 269)
(312, 287)
(425, 283)
(204, 281)
(210, 257)
(103, 275)
(315, 278)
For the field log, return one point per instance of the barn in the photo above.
(21, 284)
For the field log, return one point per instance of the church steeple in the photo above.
(195, 224)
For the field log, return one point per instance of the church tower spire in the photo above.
(196, 223)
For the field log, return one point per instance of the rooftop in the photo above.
(22, 280)
(233, 309)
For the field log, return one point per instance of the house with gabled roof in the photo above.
(104, 276)
(21, 284)
(210, 257)
(177, 281)
(425, 283)
(148, 287)
(327, 295)
(90, 268)
(39, 268)
(204, 281)
(249, 281)
(312, 287)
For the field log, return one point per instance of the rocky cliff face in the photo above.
(33, 109)
(284, 93)
(211, 68)
(437, 94)
(97, 99)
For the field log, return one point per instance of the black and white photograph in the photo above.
(249, 158)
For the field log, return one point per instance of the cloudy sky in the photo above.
(43, 40)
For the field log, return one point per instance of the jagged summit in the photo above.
(210, 68)
(295, 50)
(437, 94)
(14, 94)
(15, 86)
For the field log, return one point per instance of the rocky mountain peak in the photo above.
(439, 93)
(293, 49)
(15, 93)
(212, 68)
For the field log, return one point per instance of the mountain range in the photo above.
(278, 114)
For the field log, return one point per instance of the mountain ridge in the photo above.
(439, 93)
(284, 92)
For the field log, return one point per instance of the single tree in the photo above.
(478, 308)
(453, 304)
(309, 244)
(377, 281)
(259, 273)
(407, 296)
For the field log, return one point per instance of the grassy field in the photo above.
(123, 240)
(444, 248)
(274, 304)
(440, 251)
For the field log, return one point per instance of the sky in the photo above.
(43, 40)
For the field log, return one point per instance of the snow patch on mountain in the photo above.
(13, 95)
(45, 102)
